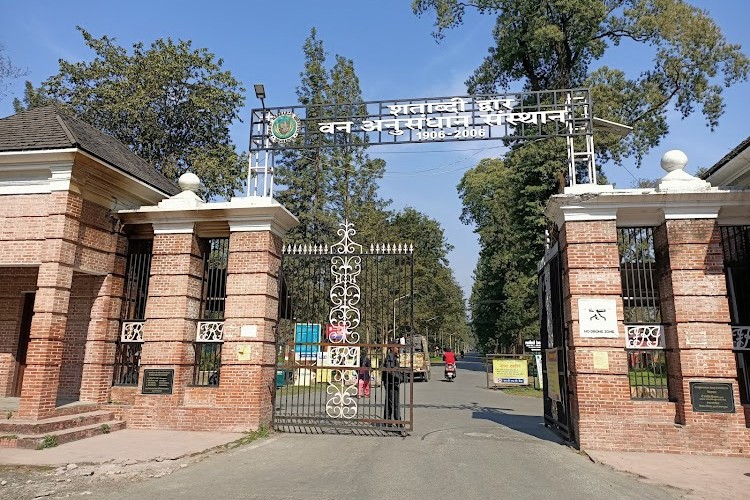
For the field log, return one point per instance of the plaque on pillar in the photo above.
(712, 397)
(157, 381)
(597, 318)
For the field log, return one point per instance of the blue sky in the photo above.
(395, 57)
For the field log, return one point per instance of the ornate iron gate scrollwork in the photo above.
(340, 306)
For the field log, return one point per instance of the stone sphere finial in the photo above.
(674, 160)
(189, 182)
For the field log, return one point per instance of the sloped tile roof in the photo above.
(726, 159)
(47, 127)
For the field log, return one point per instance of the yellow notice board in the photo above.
(510, 371)
(553, 377)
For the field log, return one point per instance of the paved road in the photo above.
(469, 442)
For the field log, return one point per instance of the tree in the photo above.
(170, 103)
(8, 71)
(437, 295)
(552, 44)
(339, 180)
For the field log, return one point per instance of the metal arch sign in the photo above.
(527, 115)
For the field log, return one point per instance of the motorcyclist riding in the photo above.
(449, 357)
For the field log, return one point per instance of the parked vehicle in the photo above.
(421, 356)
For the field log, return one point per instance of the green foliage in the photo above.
(170, 103)
(322, 186)
(49, 441)
(552, 44)
(105, 428)
(340, 181)
(438, 300)
(248, 438)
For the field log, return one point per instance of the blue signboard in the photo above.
(309, 334)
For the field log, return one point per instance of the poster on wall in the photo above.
(597, 318)
(510, 372)
(553, 377)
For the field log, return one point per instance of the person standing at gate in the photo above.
(363, 383)
(392, 379)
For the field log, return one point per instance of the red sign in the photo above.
(336, 333)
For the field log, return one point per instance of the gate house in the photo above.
(651, 351)
(123, 298)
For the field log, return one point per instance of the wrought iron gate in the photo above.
(342, 308)
(554, 339)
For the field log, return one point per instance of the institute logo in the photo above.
(284, 127)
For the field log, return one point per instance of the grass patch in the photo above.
(249, 438)
(524, 391)
(647, 378)
(48, 442)
(105, 428)
(8, 437)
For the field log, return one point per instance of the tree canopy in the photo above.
(324, 186)
(554, 44)
(170, 103)
(337, 181)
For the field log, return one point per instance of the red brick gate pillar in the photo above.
(173, 307)
(249, 351)
(42, 376)
(597, 366)
(696, 310)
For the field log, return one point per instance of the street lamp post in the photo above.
(427, 327)
(394, 312)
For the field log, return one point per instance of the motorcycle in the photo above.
(450, 372)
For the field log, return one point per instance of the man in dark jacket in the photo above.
(392, 379)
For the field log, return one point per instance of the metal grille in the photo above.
(130, 343)
(127, 363)
(647, 363)
(339, 309)
(207, 363)
(736, 246)
(215, 260)
(136, 279)
(209, 334)
(640, 293)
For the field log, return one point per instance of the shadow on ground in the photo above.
(532, 425)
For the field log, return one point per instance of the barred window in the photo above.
(647, 362)
(210, 329)
(735, 242)
(130, 344)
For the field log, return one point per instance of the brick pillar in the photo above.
(42, 375)
(694, 304)
(172, 310)
(249, 351)
(591, 270)
(104, 327)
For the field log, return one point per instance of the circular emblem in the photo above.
(284, 127)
